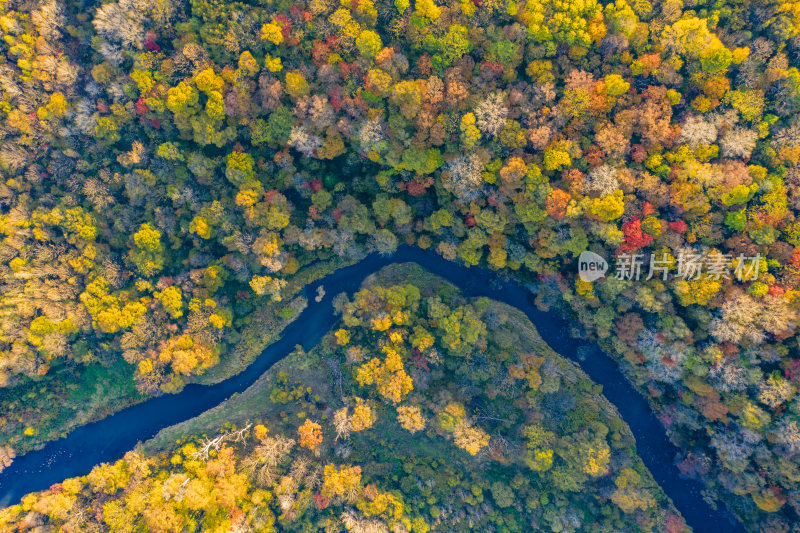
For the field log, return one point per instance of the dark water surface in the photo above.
(108, 439)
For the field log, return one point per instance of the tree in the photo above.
(389, 376)
(601, 181)
(7, 455)
(609, 207)
(408, 97)
(766, 500)
(109, 478)
(369, 43)
(410, 418)
(171, 299)
(628, 496)
(462, 331)
(470, 134)
(182, 99)
(239, 169)
(491, 114)
(556, 157)
(186, 355)
(344, 481)
(209, 82)
(691, 37)
(502, 494)
(272, 32)
(363, 416)
(428, 9)
(597, 460)
(469, 438)
(148, 254)
(616, 85)
(109, 313)
(341, 422)
(310, 435)
(738, 143)
(296, 84)
(385, 241)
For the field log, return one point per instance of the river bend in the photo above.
(108, 439)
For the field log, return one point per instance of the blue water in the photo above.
(108, 439)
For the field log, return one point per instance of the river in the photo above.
(108, 439)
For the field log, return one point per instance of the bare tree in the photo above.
(215, 443)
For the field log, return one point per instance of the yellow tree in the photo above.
(469, 438)
(343, 481)
(389, 376)
(410, 418)
(363, 416)
(628, 496)
(310, 435)
(187, 355)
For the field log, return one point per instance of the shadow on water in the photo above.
(108, 439)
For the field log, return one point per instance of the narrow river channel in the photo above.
(108, 439)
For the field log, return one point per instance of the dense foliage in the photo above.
(431, 412)
(171, 165)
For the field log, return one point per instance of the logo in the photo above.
(591, 266)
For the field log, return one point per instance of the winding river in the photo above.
(108, 439)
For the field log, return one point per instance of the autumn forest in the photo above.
(174, 172)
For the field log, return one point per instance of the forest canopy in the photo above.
(171, 168)
(386, 425)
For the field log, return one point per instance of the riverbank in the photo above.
(108, 439)
(524, 438)
(71, 396)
